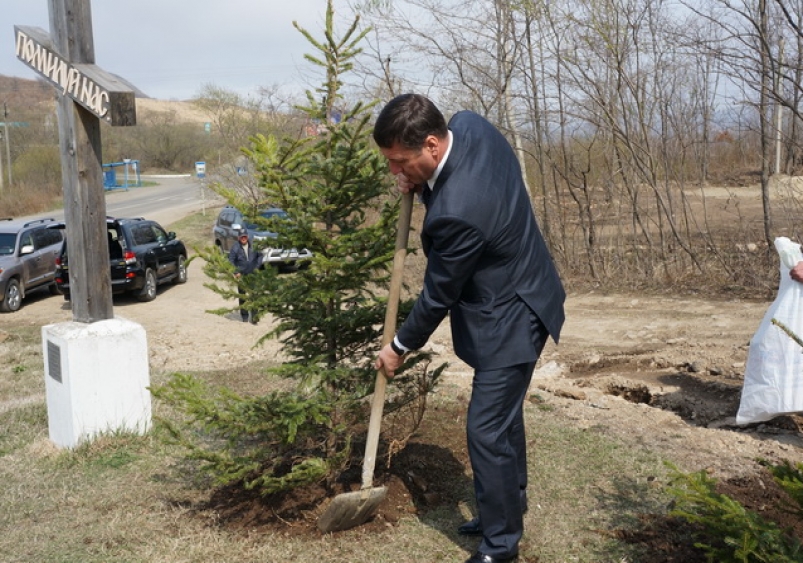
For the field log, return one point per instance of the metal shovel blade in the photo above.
(351, 509)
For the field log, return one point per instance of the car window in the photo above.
(46, 237)
(143, 234)
(39, 239)
(7, 241)
(159, 233)
(26, 239)
(226, 218)
(267, 214)
(55, 236)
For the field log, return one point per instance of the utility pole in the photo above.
(8, 142)
(1, 162)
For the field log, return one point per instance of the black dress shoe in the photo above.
(483, 558)
(470, 528)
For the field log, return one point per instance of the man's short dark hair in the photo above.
(408, 119)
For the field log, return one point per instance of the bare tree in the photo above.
(235, 120)
(465, 55)
(617, 110)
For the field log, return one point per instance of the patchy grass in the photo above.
(123, 499)
(27, 199)
(584, 486)
(134, 499)
(131, 498)
(20, 362)
(196, 230)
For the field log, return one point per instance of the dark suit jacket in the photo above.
(487, 263)
(245, 265)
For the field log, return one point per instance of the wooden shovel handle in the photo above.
(392, 311)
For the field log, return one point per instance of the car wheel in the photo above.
(148, 291)
(12, 300)
(181, 270)
(54, 289)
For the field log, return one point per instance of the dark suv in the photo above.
(231, 220)
(142, 256)
(28, 251)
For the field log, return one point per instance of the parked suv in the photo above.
(28, 251)
(142, 256)
(231, 220)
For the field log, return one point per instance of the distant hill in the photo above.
(23, 95)
(186, 112)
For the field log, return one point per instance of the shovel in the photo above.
(352, 509)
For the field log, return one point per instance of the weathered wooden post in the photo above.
(96, 367)
(86, 95)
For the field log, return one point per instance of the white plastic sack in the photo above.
(773, 378)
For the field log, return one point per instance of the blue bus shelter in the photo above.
(131, 177)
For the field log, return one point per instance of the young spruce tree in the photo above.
(334, 186)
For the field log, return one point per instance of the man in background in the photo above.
(245, 260)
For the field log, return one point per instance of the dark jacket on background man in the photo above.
(245, 264)
(245, 259)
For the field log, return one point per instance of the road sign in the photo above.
(200, 169)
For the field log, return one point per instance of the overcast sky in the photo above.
(170, 48)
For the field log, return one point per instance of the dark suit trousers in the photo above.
(498, 451)
(244, 313)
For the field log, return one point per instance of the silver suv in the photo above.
(28, 252)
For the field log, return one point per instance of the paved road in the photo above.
(173, 198)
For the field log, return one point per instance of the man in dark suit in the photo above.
(489, 268)
(245, 259)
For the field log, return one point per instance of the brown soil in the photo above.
(431, 473)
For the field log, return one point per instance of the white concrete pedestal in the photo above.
(96, 379)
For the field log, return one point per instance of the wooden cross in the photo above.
(86, 95)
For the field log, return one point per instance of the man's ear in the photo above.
(433, 146)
